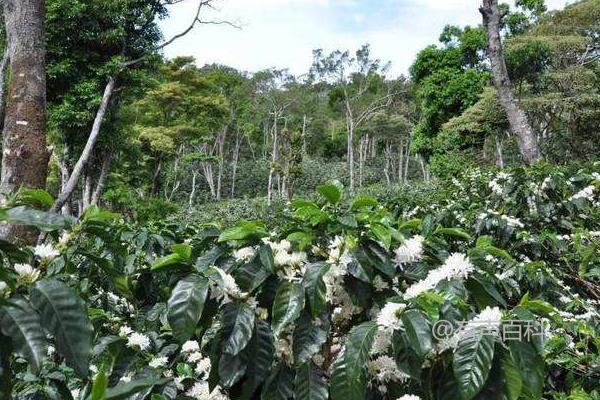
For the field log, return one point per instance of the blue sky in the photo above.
(283, 33)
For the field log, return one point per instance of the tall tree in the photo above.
(517, 119)
(25, 156)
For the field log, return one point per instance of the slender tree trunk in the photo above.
(156, 176)
(400, 162)
(499, 153)
(234, 164)
(193, 192)
(25, 156)
(86, 195)
(304, 134)
(273, 162)
(221, 149)
(518, 122)
(407, 161)
(351, 152)
(89, 146)
(3, 68)
(102, 178)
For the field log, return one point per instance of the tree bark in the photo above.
(105, 169)
(25, 156)
(89, 147)
(236, 157)
(221, 149)
(518, 122)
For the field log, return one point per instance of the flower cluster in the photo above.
(289, 264)
(411, 251)
(456, 266)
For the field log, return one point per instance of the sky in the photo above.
(283, 33)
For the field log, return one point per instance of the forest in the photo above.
(178, 231)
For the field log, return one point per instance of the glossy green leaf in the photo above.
(332, 191)
(244, 230)
(418, 331)
(63, 315)
(316, 290)
(472, 362)
(348, 379)
(287, 306)
(309, 337)
(238, 326)
(259, 356)
(310, 384)
(20, 322)
(124, 390)
(364, 202)
(185, 306)
(44, 221)
(280, 384)
(99, 386)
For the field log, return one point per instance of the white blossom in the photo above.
(409, 397)
(410, 251)
(203, 366)
(244, 254)
(488, 320)
(125, 331)
(201, 391)
(45, 251)
(456, 266)
(3, 286)
(138, 340)
(384, 369)
(585, 193)
(389, 318)
(75, 393)
(194, 357)
(27, 274)
(158, 362)
(190, 346)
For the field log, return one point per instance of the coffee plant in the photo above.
(488, 290)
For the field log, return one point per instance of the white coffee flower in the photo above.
(385, 369)
(456, 266)
(190, 346)
(409, 397)
(410, 251)
(194, 357)
(75, 393)
(45, 251)
(158, 362)
(125, 331)
(586, 193)
(201, 391)
(142, 342)
(244, 254)
(26, 273)
(389, 318)
(3, 286)
(203, 367)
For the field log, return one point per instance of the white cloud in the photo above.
(283, 33)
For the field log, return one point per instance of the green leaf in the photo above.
(63, 315)
(183, 249)
(453, 232)
(348, 380)
(44, 221)
(315, 287)
(20, 322)
(251, 275)
(332, 191)
(125, 390)
(382, 233)
(532, 368)
(309, 337)
(310, 383)
(379, 258)
(238, 325)
(279, 385)
(259, 356)
(167, 261)
(36, 198)
(231, 369)
(472, 362)
(288, 303)
(266, 257)
(99, 386)
(207, 259)
(363, 202)
(185, 306)
(511, 374)
(484, 292)
(244, 230)
(418, 331)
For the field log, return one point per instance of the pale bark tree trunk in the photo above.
(386, 169)
(156, 176)
(499, 153)
(407, 161)
(236, 157)
(221, 149)
(274, 158)
(3, 68)
(89, 146)
(400, 162)
(86, 195)
(102, 178)
(193, 192)
(65, 173)
(25, 156)
(351, 148)
(518, 122)
(304, 134)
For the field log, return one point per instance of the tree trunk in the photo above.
(236, 157)
(156, 177)
(351, 152)
(89, 146)
(105, 169)
(193, 192)
(499, 153)
(221, 148)
(25, 156)
(273, 162)
(3, 68)
(86, 197)
(304, 134)
(519, 125)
